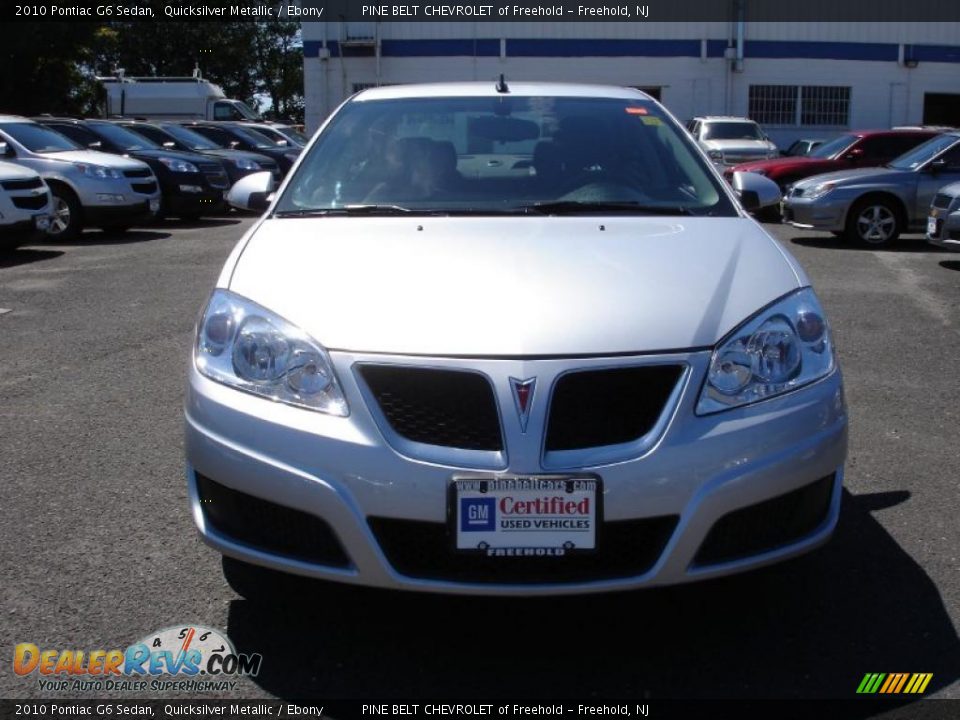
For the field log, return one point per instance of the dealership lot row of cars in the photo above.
(867, 186)
(114, 174)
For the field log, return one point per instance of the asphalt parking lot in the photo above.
(97, 547)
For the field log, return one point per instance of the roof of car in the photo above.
(707, 118)
(489, 89)
(14, 118)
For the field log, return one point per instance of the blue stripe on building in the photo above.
(598, 47)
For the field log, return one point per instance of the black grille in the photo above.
(145, 172)
(768, 525)
(145, 188)
(437, 407)
(626, 548)
(21, 184)
(606, 407)
(30, 203)
(942, 200)
(214, 174)
(270, 527)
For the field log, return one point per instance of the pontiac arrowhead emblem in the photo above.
(523, 398)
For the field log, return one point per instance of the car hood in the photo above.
(856, 176)
(10, 171)
(513, 286)
(742, 145)
(95, 157)
(776, 167)
(156, 154)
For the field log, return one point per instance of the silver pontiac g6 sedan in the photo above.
(509, 339)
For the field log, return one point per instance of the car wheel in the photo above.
(65, 220)
(873, 222)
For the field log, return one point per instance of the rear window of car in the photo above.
(504, 154)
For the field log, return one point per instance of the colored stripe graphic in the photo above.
(894, 683)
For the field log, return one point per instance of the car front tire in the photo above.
(873, 222)
(65, 220)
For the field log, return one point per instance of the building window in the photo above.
(800, 105)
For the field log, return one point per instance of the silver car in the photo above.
(943, 222)
(873, 206)
(89, 188)
(509, 339)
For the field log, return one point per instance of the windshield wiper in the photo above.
(347, 210)
(573, 207)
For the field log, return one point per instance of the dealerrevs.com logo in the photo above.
(199, 658)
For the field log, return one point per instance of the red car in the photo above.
(862, 148)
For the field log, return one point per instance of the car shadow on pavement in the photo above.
(199, 223)
(110, 237)
(23, 256)
(950, 264)
(808, 628)
(917, 244)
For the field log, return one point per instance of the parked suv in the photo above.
(89, 188)
(863, 148)
(238, 163)
(191, 185)
(25, 204)
(236, 135)
(732, 140)
(282, 135)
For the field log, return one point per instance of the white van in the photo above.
(171, 98)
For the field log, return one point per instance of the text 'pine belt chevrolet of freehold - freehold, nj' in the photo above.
(510, 338)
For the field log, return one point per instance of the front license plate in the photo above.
(526, 516)
(932, 226)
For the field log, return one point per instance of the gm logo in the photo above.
(477, 514)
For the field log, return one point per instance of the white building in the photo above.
(797, 79)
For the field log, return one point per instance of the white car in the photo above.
(732, 140)
(89, 188)
(25, 204)
(511, 339)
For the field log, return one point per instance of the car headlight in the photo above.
(177, 165)
(819, 190)
(98, 171)
(784, 347)
(245, 164)
(247, 347)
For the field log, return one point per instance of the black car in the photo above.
(238, 163)
(191, 184)
(235, 135)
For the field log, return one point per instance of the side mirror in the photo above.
(937, 166)
(6, 151)
(252, 192)
(854, 154)
(755, 191)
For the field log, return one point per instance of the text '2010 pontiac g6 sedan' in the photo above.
(510, 339)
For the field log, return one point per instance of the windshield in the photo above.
(504, 154)
(124, 139)
(254, 137)
(39, 139)
(731, 131)
(921, 154)
(193, 140)
(832, 148)
(293, 134)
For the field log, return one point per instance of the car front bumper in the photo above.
(825, 213)
(345, 472)
(946, 236)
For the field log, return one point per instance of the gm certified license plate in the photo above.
(525, 516)
(932, 226)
